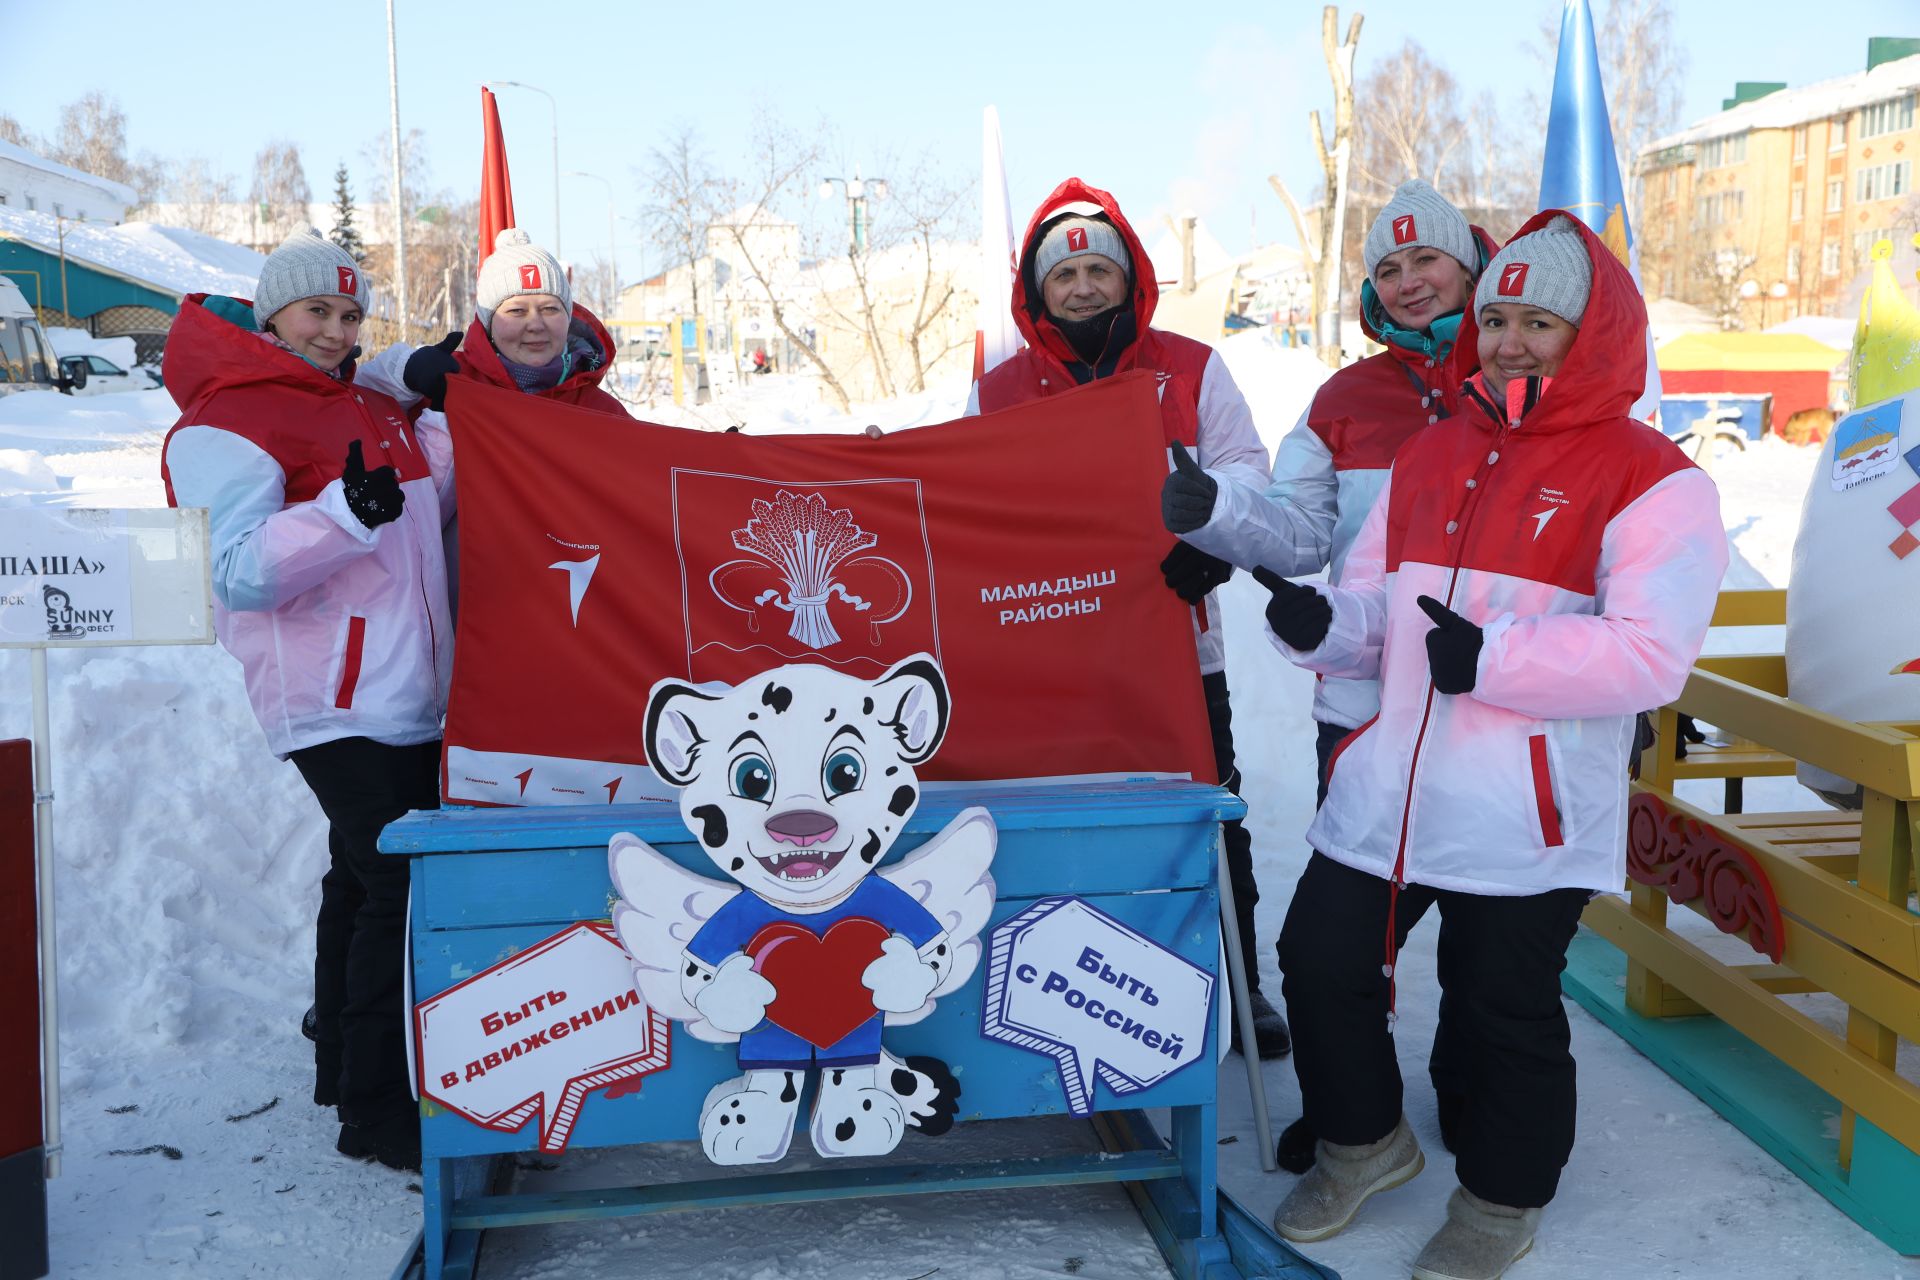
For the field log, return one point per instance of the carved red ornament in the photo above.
(1691, 860)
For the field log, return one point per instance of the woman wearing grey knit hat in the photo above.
(330, 589)
(1422, 258)
(1554, 565)
(528, 334)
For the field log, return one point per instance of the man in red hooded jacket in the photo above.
(1084, 301)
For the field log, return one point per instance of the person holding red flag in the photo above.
(1538, 569)
(1084, 299)
(529, 334)
(330, 589)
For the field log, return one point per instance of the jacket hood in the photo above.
(1606, 368)
(479, 357)
(1029, 314)
(213, 346)
(1374, 325)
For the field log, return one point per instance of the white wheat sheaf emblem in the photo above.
(808, 554)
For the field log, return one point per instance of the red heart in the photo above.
(819, 996)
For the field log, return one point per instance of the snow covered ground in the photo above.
(188, 864)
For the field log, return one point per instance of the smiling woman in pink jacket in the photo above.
(331, 590)
(1537, 570)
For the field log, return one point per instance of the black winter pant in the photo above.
(1502, 1026)
(1239, 844)
(360, 1053)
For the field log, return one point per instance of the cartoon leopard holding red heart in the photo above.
(797, 783)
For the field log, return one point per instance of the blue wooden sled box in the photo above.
(490, 882)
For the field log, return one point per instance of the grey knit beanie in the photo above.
(1419, 215)
(1548, 268)
(307, 265)
(1072, 237)
(518, 266)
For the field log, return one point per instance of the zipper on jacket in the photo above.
(1457, 528)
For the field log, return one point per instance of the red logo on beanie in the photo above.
(1513, 280)
(1403, 229)
(1077, 239)
(530, 276)
(348, 284)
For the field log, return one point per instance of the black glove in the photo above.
(374, 496)
(1186, 499)
(1192, 573)
(1453, 648)
(1298, 615)
(428, 369)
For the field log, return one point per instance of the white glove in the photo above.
(734, 998)
(900, 980)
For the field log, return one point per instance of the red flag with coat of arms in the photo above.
(1020, 549)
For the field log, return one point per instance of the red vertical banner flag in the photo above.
(496, 187)
(1021, 549)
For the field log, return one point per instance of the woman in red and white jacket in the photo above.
(1537, 570)
(330, 589)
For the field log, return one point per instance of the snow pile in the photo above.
(188, 862)
(1278, 381)
(172, 259)
(104, 451)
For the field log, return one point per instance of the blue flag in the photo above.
(1581, 172)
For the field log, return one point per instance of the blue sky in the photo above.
(1169, 105)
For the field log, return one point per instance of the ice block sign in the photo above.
(79, 576)
(1067, 980)
(534, 1034)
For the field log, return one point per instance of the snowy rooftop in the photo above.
(34, 160)
(170, 259)
(1790, 107)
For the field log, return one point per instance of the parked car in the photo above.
(97, 375)
(27, 361)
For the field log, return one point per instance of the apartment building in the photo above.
(1767, 209)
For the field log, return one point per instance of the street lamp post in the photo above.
(859, 191)
(613, 268)
(515, 84)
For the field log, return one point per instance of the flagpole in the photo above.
(399, 196)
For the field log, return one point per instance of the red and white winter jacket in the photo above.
(1590, 550)
(1327, 473)
(341, 630)
(1199, 404)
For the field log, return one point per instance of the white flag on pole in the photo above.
(995, 337)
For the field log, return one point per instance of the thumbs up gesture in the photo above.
(1298, 615)
(374, 496)
(428, 368)
(1186, 499)
(1453, 648)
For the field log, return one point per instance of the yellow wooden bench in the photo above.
(1822, 895)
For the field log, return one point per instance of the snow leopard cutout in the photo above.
(797, 782)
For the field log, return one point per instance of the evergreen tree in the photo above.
(344, 233)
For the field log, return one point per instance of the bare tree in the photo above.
(442, 239)
(92, 137)
(279, 193)
(682, 191)
(905, 283)
(1717, 275)
(12, 131)
(198, 192)
(782, 159)
(1322, 252)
